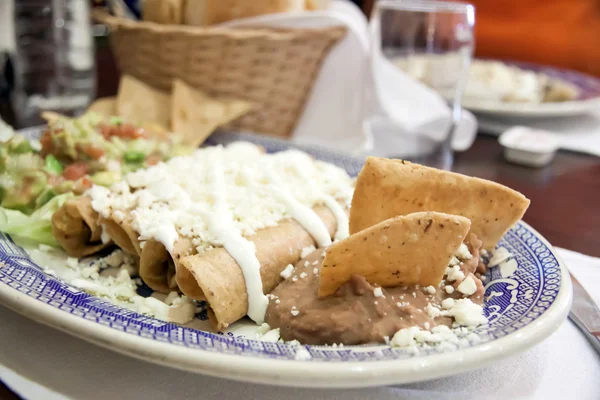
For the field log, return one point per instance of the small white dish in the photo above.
(530, 147)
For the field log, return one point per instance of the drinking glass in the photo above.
(421, 51)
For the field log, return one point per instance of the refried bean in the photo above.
(354, 314)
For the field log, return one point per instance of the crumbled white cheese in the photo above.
(404, 337)
(271, 336)
(295, 279)
(377, 292)
(303, 275)
(449, 289)
(72, 262)
(90, 286)
(294, 311)
(454, 261)
(316, 262)
(463, 252)
(315, 271)
(466, 313)
(468, 286)
(440, 336)
(277, 301)
(307, 250)
(171, 297)
(302, 354)
(430, 289)
(262, 329)
(454, 274)
(508, 268)
(448, 303)
(426, 325)
(287, 271)
(432, 311)
(170, 200)
(500, 255)
(306, 263)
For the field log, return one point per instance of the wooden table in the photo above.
(565, 196)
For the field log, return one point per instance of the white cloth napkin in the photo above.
(411, 108)
(39, 362)
(579, 133)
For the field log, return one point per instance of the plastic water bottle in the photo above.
(54, 58)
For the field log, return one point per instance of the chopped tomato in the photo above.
(82, 185)
(75, 171)
(123, 131)
(130, 132)
(153, 159)
(93, 152)
(86, 183)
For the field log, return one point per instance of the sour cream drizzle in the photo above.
(304, 215)
(343, 224)
(242, 250)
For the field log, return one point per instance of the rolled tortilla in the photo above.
(123, 234)
(157, 266)
(216, 277)
(76, 227)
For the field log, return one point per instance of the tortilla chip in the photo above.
(140, 103)
(196, 115)
(106, 106)
(163, 11)
(412, 249)
(315, 5)
(387, 188)
(51, 116)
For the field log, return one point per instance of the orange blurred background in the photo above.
(562, 33)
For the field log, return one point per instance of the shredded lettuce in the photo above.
(37, 226)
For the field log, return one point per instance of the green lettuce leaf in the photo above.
(37, 226)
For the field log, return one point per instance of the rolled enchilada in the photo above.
(77, 228)
(222, 224)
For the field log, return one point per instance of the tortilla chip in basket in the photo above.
(412, 249)
(163, 11)
(106, 106)
(387, 188)
(196, 115)
(140, 103)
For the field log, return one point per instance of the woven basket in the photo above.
(272, 68)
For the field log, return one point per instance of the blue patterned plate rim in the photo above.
(526, 309)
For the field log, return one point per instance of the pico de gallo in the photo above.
(75, 153)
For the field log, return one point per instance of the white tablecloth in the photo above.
(39, 362)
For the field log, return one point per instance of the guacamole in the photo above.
(75, 153)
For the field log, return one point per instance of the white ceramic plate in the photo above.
(588, 100)
(523, 307)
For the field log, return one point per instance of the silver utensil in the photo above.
(585, 314)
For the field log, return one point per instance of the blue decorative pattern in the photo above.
(511, 302)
